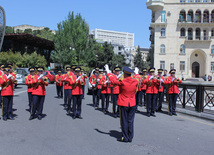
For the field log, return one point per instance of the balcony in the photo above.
(161, 24)
(204, 39)
(155, 5)
(196, 22)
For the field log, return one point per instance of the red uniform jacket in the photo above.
(139, 79)
(84, 77)
(1, 73)
(152, 86)
(115, 87)
(28, 82)
(59, 80)
(39, 86)
(93, 80)
(173, 85)
(66, 80)
(143, 84)
(76, 86)
(160, 84)
(128, 87)
(14, 76)
(105, 87)
(7, 86)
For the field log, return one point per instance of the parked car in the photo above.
(50, 75)
(20, 75)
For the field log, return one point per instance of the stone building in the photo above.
(182, 36)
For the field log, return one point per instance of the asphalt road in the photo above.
(97, 133)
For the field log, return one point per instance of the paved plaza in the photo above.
(96, 134)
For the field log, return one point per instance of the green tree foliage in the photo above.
(25, 60)
(19, 31)
(9, 30)
(29, 31)
(138, 61)
(45, 33)
(71, 41)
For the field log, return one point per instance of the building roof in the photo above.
(31, 40)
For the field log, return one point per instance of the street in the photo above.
(96, 134)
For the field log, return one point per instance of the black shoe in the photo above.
(39, 117)
(79, 117)
(175, 114)
(122, 140)
(115, 116)
(11, 118)
(153, 115)
(4, 118)
(137, 111)
(31, 117)
(170, 114)
(69, 111)
(106, 112)
(118, 115)
(148, 115)
(160, 110)
(74, 117)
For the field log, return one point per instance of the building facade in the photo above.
(122, 38)
(182, 36)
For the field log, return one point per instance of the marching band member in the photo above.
(96, 88)
(59, 84)
(160, 82)
(143, 88)
(116, 91)
(28, 82)
(105, 92)
(1, 74)
(39, 82)
(6, 87)
(126, 101)
(137, 95)
(67, 89)
(151, 92)
(77, 82)
(173, 91)
(84, 78)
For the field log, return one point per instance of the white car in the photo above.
(20, 75)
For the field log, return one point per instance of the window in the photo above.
(171, 66)
(182, 65)
(198, 16)
(205, 35)
(182, 16)
(183, 32)
(212, 32)
(198, 33)
(212, 49)
(162, 65)
(212, 66)
(190, 34)
(163, 32)
(162, 49)
(182, 49)
(190, 16)
(163, 16)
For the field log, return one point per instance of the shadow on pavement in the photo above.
(112, 133)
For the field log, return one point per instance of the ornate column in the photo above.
(2, 26)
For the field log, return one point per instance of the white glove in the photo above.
(98, 80)
(106, 82)
(65, 78)
(136, 70)
(93, 85)
(83, 74)
(107, 68)
(151, 77)
(173, 79)
(78, 78)
(161, 80)
(120, 75)
(9, 76)
(0, 88)
(40, 76)
(104, 74)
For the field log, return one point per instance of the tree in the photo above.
(45, 33)
(29, 31)
(71, 41)
(118, 60)
(138, 61)
(9, 30)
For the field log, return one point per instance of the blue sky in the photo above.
(119, 15)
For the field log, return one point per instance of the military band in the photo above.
(59, 84)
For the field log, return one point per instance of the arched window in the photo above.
(212, 49)
(212, 32)
(206, 16)
(212, 16)
(183, 32)
(205, 34)
(198, 16)
(162, 49)
(182, 16)
(198, 33)
(163, 32)
(182, 49)
(190, 16)
(190, 34)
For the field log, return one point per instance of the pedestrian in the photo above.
(1, 74)
(59, 84)
(126, 101)
(173, 91)
(84, 80)
(28, 82)
(76, 81)
(6, 87)
(151, 92)
(205, 77)
(39, 92)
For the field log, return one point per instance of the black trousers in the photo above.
(114, 105)
(0, 99)
(7, 106)
(96, 96)
(105, 101)
(67, 97)
(38, 103)
(59, 91)
(83, 91)
(159, 101)
(30, 99)
(151, 102)
(143, 97)
(127, 115)
(172, 103)
(137, 98)
(77, 105)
